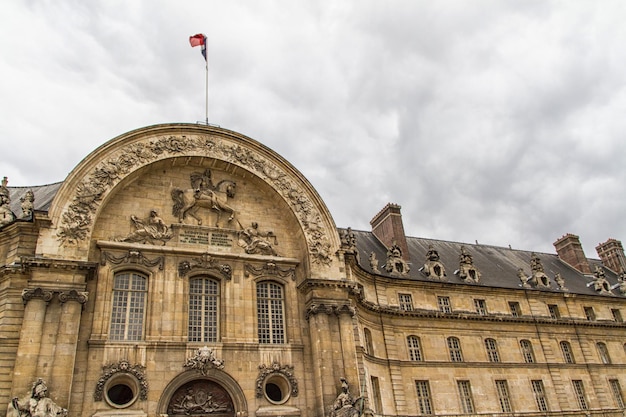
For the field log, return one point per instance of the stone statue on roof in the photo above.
(433, 268)
(395, 265)
(538, 277)
(467, 271)
(6, 215)
(600, 283)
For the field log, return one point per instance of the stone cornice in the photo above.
(29, 262)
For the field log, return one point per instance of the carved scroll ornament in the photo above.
(123, 366)
(77, 219)
(276, 368)
(203, 360)
(205, 262)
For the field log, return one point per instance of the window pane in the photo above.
(270, 313)
(465, 394)
(128, 310)
(540, 395)
(568, 356)
(423, 397)
(203, 310)
(415, 350)
(444, 304)
(454, 346)
(527, 351)
(617, 392)
(503, 395)
(579, 392)
(492, 350)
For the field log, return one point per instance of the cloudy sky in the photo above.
(497, 121)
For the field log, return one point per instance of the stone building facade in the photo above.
(189, 270)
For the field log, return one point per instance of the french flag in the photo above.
(199, 40)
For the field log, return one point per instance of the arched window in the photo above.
(492, 350)
(203, 309)
(568, 355)
(527, 351)
(129, 305)
(415, 349)
(454, 346)
(603, 351)
(270, 312)
(369, 345)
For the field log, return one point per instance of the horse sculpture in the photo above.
(187, 202)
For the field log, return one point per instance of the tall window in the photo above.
(579, 392)
(568, 355)
(454, 346)
(270, 312)
(617, 315)
(444, 304)
(603, 351)
(424, 401)
(492, 350)
(617, 392)
(503, 395)
(415, 350)
(203, 309)
(369, 345)
(515, 309)
(540, 394)
(465, 395)
(406, 302)
(553, 309)
(527, 351)
(378, 404)
(129, 301)
(589, 313)
(481, 307)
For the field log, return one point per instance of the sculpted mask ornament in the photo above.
(37, 404)
(433, 268)
(151, 230)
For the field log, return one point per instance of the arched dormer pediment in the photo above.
(120, 161)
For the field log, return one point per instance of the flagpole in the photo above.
(206, 106)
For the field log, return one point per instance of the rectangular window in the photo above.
(270, 314)
(617, 315)
(481, 307)
(423, 398)
(444, 304)
(589, 313)
(129, 299)
(540, 395)
(406, 302)
(415, 350)
(554, 311)
(579, 392)
(465, 395)
(515, 309)
(617, 392)
(503, 395)
(378, 405)
(203, 307)
(492, 350)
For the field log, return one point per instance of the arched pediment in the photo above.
(92, 183)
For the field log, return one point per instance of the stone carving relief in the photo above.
(395, 265)
(255, 241)
(78, 217)
(329, 309)
(270, 268)
(203, 360)
(36, 404)
(28, 204)
(267, 371)
(433, 268)
(204, 194)
(30, 294)
(132, 257)
(6, 215)
(80, 297)
(199, 398)
(122, 367)
(345, 404)
(151, 230)
(467, 271)
(600, 283)
(205, 262)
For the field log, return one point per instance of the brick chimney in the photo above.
(571, 251)
(387, 227)
(611, 253)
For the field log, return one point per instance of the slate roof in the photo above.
(44, 194)
(498, 265)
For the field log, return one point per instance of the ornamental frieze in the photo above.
(205, 262)
(132, 257)
(271, 269)
(77, 219)
(203, 360)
